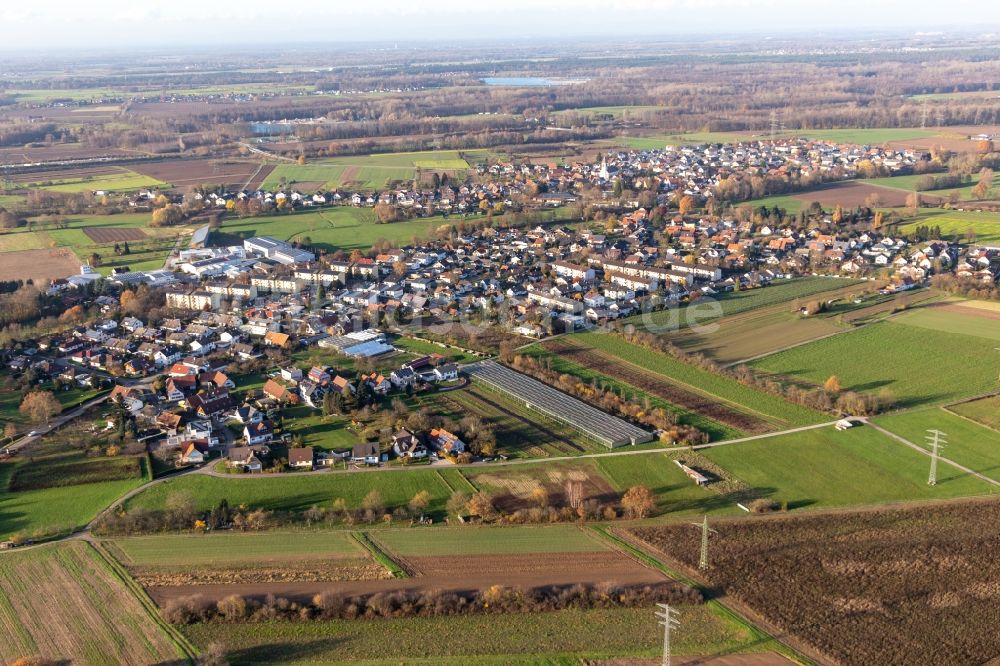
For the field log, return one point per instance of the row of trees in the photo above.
(496, 599)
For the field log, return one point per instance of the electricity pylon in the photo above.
(936, 439)
(669, 622)
(705, 529)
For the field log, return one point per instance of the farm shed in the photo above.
(609, 430)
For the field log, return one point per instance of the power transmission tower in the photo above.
(669, 622)
(936, 439)
(923, 116)
(705, 529)
(774, 124)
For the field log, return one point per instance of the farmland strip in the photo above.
(646, 381)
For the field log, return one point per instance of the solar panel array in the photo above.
(609, 430)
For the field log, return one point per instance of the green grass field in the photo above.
(373, 171)
(919, 366)
(324, 432)
(956, 224)
(516, 639)
(950, 321)
(909, 184)
(344, 228)
(424, 347)
(756, 402)
(123, 182)
(984, 410)
(11, 201)
(701, 311)
(435, 541)
(38, 513)
(825, 468)
(234, 548)
(674, 490)
(975, 446)
(288, 492)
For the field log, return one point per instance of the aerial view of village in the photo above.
(464, 341)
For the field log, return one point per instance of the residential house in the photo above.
(366, 454)
(261, 432)
(446, 442)
(301, 457)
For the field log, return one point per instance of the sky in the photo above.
(61, 24)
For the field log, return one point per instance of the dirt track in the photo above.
(457, 573)
(657, 386)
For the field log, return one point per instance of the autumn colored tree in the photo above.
(420, 501)
(687, 204)
(638, 502)
(373, 502)
(73, 314)
(40, 406)
(832, 384)
(9, 430)
(481, 504)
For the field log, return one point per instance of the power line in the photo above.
(669, 621)
(936, 439)
(705, 529)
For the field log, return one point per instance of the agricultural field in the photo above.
(908, 184)
(66, 249)
(519, 432)
(122, 180)
(569, 356)
(841, 583)
(985, 411)
(166, 561)
(11, 201)
(97, 619)
(675, 492)
(57, 494)
(824, 467)
(371, 171)
(984, 227)
(760, 331)
(968, 443)
(730, 394)
(603, 479)
(38, 265)
(515, 639)
(956, 316)
(919, 366)
(289, 492)
(182, 174)
(441, 541)
(335, 228)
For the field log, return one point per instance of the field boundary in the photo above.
(378, 551)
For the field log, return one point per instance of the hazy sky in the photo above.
(49, 24)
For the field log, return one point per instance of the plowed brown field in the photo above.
(114, 234)
(458, 573)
